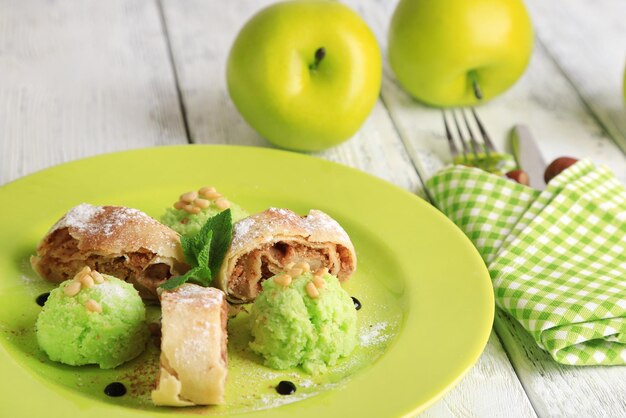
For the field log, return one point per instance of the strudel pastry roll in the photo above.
(115, 240)
(272, 241)
(193, 347)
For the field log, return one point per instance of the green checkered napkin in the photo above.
(557, 258)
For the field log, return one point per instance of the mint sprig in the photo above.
(205, 251)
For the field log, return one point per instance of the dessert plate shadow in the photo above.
(427, 301)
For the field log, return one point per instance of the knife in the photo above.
(528, 155)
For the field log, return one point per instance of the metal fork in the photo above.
(473, 152)
(469, 146)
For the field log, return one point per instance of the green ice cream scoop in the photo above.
(103, 325)
(291, 328)
(188, 224)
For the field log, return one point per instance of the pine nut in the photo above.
(306, 267)
(97, 277)
(322, 271)
(283, 279)
(202, 203)
(194, 210)
(93, 306)
(319, 282)
(206, 190)
(295, 271)
(72, 288)
(179, 205)
(212, 195)
(84, 270)
(222, 203)
(290, 265)
(312, 290)
(189, 197)
(87, 281)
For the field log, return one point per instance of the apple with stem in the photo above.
(305, 74)
(457, 52)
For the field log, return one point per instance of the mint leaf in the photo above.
(205, 251)
(202, 276)
(199, 275)
(203, 255)
(174, 282)
(222, 227)
(188, 250)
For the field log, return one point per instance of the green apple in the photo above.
(438, 49)
(305, 74)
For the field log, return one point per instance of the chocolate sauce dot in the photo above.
(285, 387)
(115, 389)
(357, 303)
(41, 299)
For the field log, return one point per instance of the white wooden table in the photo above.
(80, 78)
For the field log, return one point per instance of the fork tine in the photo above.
(454, 151)
(489, 148)
(475, 145)
(466, 149)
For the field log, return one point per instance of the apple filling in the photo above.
(260, 264)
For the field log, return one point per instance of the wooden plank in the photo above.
(80, 78)
(490, 389)
(588, 44)
(545, 100)
(556, 390)
(201, 33)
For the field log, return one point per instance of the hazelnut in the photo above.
(557, 166)
(519, 176)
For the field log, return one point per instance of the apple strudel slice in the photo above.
(193, 347)
(276, 240)
(116, 240)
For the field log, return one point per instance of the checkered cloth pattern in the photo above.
(557, 258)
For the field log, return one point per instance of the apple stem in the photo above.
(319, 56)
(477, 91)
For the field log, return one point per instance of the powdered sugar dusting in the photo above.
(100, 219)
(374, 334)
(29, 281)
(272, 401)
(261, 227)
(191, 293)
(307, 383)
(317, 220)
(242, 228)
(112, 290)
(78, 217)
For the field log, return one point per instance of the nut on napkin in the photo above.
(557, 258)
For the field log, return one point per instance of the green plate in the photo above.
(427, 299)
